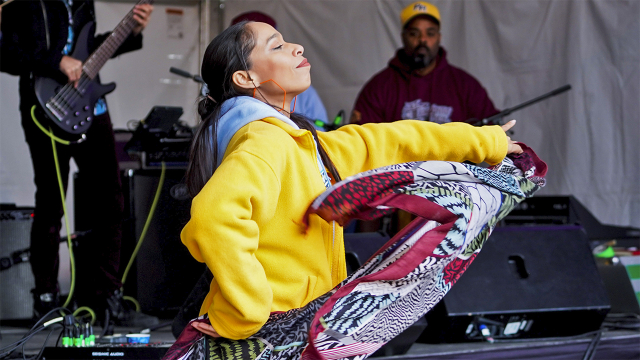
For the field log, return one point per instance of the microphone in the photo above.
(196, 78)
(180, 72)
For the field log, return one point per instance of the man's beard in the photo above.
(420, 59)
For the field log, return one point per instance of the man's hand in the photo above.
(141, 14)
(356, 117)
(513, 147)
(205, 328)
(72, 68)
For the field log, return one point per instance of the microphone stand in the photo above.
(197, 78)
(505, 112)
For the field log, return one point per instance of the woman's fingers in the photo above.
(508, 125)
(205, 328)
(514, 148)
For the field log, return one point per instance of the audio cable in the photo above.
(62, 196)
(55, 139)
(144, 232)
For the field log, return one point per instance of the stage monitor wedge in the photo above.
(567, 210)
(527, 282)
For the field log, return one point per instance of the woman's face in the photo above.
(277, 60)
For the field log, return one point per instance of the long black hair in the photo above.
(227, 53)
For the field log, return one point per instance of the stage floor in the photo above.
(613, 345)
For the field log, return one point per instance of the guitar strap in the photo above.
(69, 45)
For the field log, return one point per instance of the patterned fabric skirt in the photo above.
(456, 207)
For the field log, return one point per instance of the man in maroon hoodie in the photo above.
(419, 83)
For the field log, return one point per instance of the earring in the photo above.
(281, 88)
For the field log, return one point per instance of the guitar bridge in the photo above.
(56, 110)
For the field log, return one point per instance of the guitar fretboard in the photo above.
(106, 50)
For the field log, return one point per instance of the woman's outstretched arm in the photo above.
(357, 148)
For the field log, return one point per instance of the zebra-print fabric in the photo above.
(457, 206)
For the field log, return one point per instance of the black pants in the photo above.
(98, 258)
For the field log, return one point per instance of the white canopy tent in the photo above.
(590, 136)
(518, 50)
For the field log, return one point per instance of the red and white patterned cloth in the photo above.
(457, 206)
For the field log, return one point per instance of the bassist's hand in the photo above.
(141, 14)
(72, 68)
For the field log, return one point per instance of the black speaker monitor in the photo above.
(567, 210)
(359, 247)
(526, 282)
(164, 272)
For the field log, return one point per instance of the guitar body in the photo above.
(71, 108)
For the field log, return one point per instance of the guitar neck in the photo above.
(109, 47)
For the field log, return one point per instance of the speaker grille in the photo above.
(17, 281)
(541, 280)
(166, 272)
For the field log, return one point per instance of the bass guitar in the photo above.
(68, 106)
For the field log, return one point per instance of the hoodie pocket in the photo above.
(312, 281)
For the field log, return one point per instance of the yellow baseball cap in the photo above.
(419, 8)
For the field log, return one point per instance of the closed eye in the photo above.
(277, 47)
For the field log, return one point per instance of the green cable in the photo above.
(134, 301)
(66, 220)
(48, 133)
(146, 225)
(87, 309)
(64, 209)
(64, 205)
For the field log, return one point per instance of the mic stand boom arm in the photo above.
(196, 78)
(508, 111)
(204, 90)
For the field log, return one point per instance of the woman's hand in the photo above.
(513, 147)
(205, 328)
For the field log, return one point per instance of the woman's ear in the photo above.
(243, 79)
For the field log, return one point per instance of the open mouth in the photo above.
(303, 63)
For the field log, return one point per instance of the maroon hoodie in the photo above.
(445, 94)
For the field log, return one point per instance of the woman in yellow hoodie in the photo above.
(255, 168)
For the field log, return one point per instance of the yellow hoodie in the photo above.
(247, 221)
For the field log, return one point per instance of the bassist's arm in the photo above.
(24, 44)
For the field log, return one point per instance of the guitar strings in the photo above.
(128, 25)
(69, 88)
(109, 43)
(62, 100)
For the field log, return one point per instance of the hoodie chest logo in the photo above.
(424, 110)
